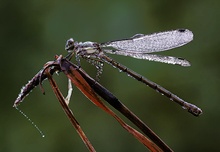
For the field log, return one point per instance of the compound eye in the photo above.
(69, 44)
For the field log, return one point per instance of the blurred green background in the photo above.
(32, 32)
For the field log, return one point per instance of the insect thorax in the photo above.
(87, 48)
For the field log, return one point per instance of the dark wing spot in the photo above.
(182, 30)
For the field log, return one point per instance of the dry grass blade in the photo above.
(113, 101)
(69, 113)
(77, 79)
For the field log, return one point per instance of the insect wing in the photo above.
(156, 42)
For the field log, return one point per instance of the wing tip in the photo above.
(187, 34)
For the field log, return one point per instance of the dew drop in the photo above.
(184, 107)
(32, 123)
(157, 91)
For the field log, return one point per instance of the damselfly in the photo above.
(138, 46)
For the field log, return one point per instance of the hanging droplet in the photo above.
(35, 126)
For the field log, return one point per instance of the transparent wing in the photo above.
(156, 42)
(153, 57)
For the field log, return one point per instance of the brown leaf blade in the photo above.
(113, 101)
(70, 114)
(86, 89)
